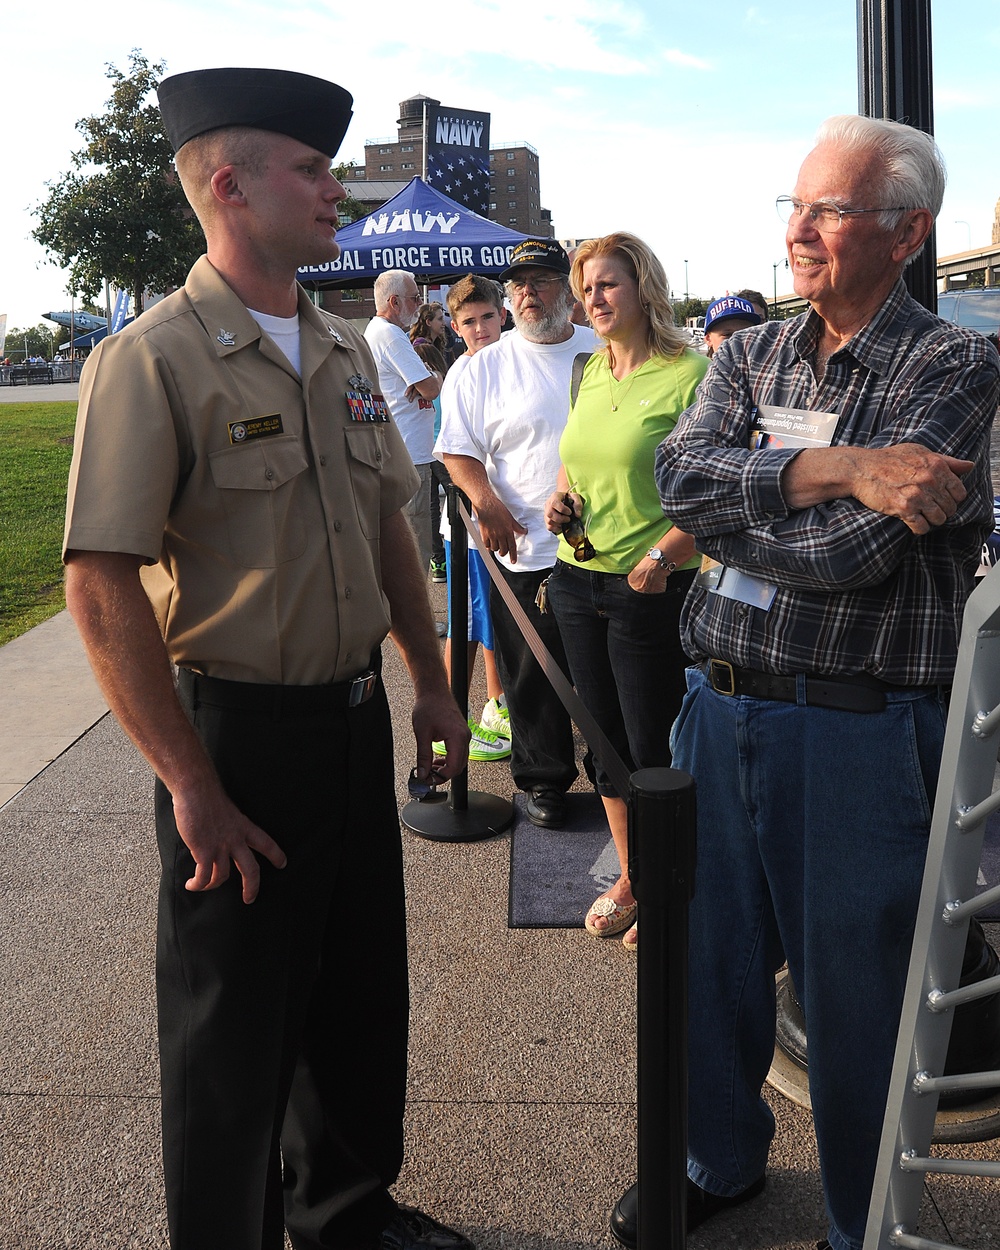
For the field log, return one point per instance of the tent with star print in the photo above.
(421, 230)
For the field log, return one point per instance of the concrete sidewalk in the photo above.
(51, 393)
(521, 1117)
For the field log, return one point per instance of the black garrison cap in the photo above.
(312, 110)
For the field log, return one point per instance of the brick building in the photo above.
(390, 163)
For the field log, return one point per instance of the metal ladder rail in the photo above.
(947, 901)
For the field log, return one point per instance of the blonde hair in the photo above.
(200, 157)
(662, 337)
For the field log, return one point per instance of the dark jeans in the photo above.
(283, 1039)
(625, 656)
(542, 751)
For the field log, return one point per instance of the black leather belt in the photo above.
(248, 696)
(859, 693)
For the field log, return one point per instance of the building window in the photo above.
(512, 220)
(511, 186)
(406, 147)
(407, 165)
(384, 151)
(511, 173)
(512, 203)
(349, 297)
(493, 204)
(510, 156)
(383, 168)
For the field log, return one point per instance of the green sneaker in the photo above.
(484, 745)
(496, 717)
(487, 745)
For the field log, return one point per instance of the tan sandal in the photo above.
(633, 933)
(618, 917)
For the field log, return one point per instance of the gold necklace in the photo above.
(613, 379)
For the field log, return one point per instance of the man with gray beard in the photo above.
(500, 431)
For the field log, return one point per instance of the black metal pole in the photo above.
(895, 81)
(466, 817)
(458, 614)
(662, 856)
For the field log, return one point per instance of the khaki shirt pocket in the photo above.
(257, 483)
(366, 454)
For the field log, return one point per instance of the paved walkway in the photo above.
(521, 1111)
(53, 393)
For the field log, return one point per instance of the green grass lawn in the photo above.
(35, 450)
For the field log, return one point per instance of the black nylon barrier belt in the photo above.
(611, 761)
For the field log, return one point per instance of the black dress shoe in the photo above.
(701, 1206)
(413, 1230)
(546, 807)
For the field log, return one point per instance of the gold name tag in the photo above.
(255, 427)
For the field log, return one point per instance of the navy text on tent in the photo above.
(420, 230)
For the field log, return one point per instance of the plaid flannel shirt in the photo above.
(857, 592)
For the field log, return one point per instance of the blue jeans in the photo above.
(625, 658)
(812, 834)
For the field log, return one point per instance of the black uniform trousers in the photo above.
(542, 750)
(283, 1023)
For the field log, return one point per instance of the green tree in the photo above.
(691, 307)
(120, 214)
(29, 341)
(350, 209)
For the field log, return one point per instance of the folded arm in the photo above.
(836, 517)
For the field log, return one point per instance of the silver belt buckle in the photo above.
(362, 688)
(722, 677)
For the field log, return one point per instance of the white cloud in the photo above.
(685, 60)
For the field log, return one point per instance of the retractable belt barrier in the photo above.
(661, 856)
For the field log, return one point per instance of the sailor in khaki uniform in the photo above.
(234, 509)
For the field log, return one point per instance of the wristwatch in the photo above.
(654, 553)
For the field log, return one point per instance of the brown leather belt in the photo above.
(858, 693)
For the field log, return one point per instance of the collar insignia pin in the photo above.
(227, 338)
(358, 382)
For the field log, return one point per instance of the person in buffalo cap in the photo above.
(235, 510)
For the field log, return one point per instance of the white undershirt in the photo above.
(284, 332)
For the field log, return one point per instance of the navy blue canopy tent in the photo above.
(420, 230)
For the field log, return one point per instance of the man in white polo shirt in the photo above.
(409, 387)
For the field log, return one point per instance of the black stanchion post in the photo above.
(466, 817)
(458, 614)
(661, 855)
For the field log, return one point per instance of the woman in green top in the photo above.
(618, 607)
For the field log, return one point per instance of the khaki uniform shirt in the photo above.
(253, 493)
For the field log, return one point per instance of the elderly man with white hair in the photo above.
(410, 388)
(824, 632)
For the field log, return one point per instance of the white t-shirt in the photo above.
(399, 366)
(507, 409)
(284, 331)
(447, 386)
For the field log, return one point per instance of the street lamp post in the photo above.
(774, 270)
(685, 282)
(968, 229)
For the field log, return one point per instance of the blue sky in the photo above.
(681, 122)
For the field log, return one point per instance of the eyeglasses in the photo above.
(518, 285)
(826, 216)
(425, 791)
(575, 533)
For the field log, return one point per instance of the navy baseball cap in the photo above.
(312, 110)
(731, 306)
